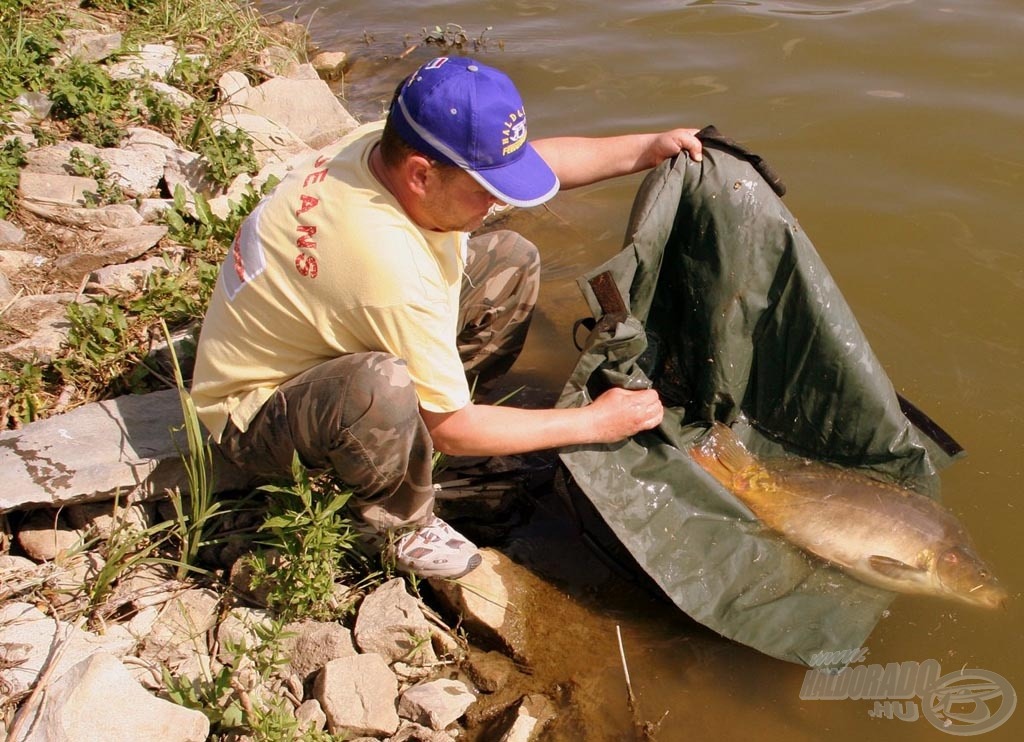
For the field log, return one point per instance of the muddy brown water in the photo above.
(898, 127)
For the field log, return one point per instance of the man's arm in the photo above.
(488, 430)
(579, 161)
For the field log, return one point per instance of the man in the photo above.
(353, 310)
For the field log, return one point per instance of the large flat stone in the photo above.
(94, 452)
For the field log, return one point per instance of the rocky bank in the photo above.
(395, 670)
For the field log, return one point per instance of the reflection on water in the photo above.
(897, 127)
(823, 8)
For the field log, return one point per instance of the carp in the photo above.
(876, 531)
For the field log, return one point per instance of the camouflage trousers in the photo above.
(358, 414)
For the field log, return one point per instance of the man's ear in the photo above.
(418, 173)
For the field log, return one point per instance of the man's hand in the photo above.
(620, 413)
(670, 143)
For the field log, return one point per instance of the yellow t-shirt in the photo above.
(328, 264)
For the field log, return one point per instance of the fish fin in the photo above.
(892, 567)
(721, 453)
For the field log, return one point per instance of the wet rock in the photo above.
(527, 719)
(481, 600)
(97, 699)
(358, 695)
(391, 624)
(315, 643)
(436, 703)
(329, 65)
(489, 671)
(420, 733)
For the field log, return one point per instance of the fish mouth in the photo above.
(988, 596)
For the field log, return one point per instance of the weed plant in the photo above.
(309, 549)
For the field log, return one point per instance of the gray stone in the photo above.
(271, 141)
(318, 122)
(36, 636)
(126, 276)
(179, 634)
(358, 696)
(31, 108)
(93, 452)
(136, 169)
(111, 246)
(113, 216)
(10, 234)
(329, 65)
(6, 290)
(142, 139)
(436, 703)
(231, 83)
(88, 46)
(238, 632)
(152, 210)
(98, 699)
(314, 643)
(390, 623)
(44, 536)
(16, 260)
(47, 313)
(153, 60)
(188, 170)
(101, 519)
(177, 97)
(275, 61)
(310, 716)
(68, 190)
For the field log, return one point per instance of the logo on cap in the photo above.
(514, 132)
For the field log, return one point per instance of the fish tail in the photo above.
(721, 454)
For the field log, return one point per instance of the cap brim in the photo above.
(528, 181)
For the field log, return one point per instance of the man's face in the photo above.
(454, 202)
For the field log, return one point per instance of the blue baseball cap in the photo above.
(467, 114)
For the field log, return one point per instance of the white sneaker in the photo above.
(435, 549)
